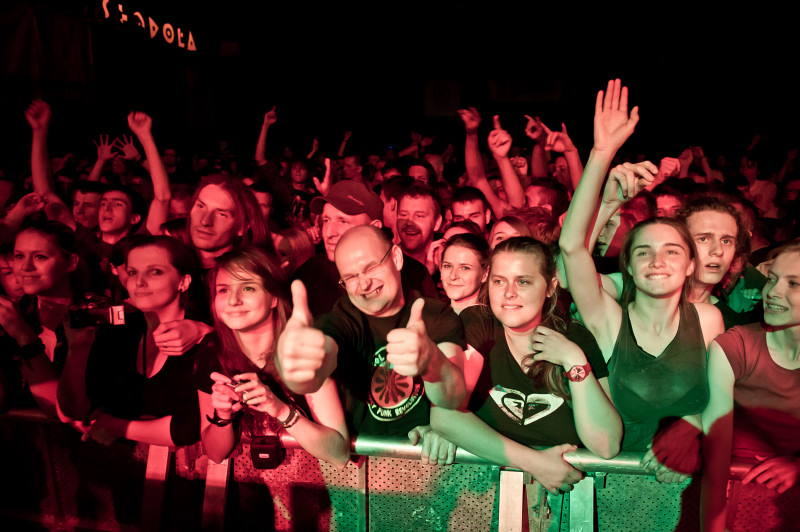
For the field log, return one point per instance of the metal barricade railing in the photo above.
(510, 485)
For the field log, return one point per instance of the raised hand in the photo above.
(435, 449)
(38, 115)
(127, 148)
(669, 167)
(612, 123)
(552, 346)
(301, 348)
(325, 186)
(471, 119)
(686, 157)
(626, 180)
(558, 141)
(105, 150)
(535, 129)
(499, 140)
(140, 123)
(28, 204)
(778, 473)
(270, 117)
(409, 350)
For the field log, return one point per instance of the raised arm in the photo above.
(142, 126)
(261, 146)
(612, 126)
(536, 132)
(559, 141)
(38, 116)
(499, 144)
(476, 174)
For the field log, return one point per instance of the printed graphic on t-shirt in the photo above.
(525, 410)
(391, 395)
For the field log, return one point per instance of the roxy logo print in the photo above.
(525, 410)
(391, 395)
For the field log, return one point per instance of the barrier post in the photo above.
(581, 506)
(215, 495)
(509, 518)
(158, 465)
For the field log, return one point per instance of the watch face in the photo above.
(577, 373)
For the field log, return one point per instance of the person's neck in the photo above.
(421, 255)
(209, 258)
(173, 311)
(784, 343)
(258, 343)
(658, 313)
(519, 340)
(112, 237)
(60, 297)
(461, 304)
(701, 292)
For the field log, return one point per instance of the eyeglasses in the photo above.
(352, 280)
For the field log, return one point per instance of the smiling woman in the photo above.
(535, 380)
(143, 392)
(238, 381)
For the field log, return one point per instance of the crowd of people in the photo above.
(502, 295)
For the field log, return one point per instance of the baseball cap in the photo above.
(351, 198)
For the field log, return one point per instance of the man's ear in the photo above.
(488, 216)
(397, 257)
(376, 223)
(135, 218)
(438, 223)
(74, 259)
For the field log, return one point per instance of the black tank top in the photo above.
(652, 390)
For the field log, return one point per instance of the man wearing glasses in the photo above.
(347, 205)
(393, 355)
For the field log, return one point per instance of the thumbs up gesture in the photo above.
(409, 350)
(499, 140)
(301, 348)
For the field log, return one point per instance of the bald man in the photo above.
(393, 356)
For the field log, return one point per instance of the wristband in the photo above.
(218, 421)
(291, 419)
(28, 351)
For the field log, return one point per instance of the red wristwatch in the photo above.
(578, 373)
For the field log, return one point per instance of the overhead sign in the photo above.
(171, 34)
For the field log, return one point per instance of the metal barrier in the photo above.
(58, 450)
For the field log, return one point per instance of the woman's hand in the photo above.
(223, 397)
(14, 324)
(552, 346)
(676, 449)
(105, 429)
(626, 180)
(612, 124)
(435, 449)
(777, 473)
(552, 471)
(258, 396)
(174, 338)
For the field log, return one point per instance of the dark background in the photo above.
(383, 70)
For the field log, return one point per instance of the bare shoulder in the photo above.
(710, 321)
